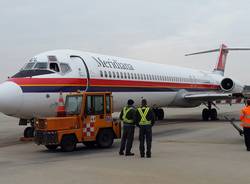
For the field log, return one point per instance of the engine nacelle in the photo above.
(227, 84)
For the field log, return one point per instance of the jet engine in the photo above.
(227, 84)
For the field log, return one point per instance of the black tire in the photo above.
(213, 114)
(160, 114)
(90, 144)
(68, 143)
(205, 114)
(105, 138)
(29, 132)
(51, 147)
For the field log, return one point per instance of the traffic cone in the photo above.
(60, 110)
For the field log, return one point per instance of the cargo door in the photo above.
(80, 69)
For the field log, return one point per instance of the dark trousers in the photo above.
(145, 133)
(127, 138)
(247, 137)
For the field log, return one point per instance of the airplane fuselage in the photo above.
(34, 90)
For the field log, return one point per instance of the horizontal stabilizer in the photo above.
(221, 63)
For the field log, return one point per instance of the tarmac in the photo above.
(185, 150)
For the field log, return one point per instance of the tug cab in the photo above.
(88, 120)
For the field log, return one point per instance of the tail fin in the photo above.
(221, 63)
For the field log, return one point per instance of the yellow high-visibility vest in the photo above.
(144, 120)
(125, 112)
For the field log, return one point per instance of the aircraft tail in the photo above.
(221, 63)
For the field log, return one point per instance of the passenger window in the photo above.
(128, 76)
(138, 75)
(110, 74)
(141, 77)
(117, 74)
(125, 76)
(132, 76)
(113, 74)
(54, 66)
(121, 75)
(95, 105)
(105, 74)
(135, 76)
(108, 104)
(101, 73)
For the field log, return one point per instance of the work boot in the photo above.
(148, 155)
(129, 154)
(121, 153)
(142, 155)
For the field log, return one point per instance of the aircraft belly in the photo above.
(158, 99)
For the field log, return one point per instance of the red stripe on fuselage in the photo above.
(44, 81)
(133, 83)
(107, 82)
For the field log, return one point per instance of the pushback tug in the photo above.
(87, 119)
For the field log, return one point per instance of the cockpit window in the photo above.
(41, 66)
(54, 67)
(29, 66)
(65, 67)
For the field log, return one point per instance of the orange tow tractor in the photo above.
(88, 119)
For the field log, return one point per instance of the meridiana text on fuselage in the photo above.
(112, 63)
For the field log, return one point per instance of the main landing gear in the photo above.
(28, 131)
(159, 113)
(209, 113)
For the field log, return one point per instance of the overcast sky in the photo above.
(154, 30)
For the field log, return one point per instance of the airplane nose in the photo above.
(10, 98)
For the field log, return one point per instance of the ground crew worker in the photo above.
(145, 119)
(245, 118)
(127, 116)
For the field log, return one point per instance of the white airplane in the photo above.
(34, 90)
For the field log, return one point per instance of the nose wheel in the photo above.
(209, 113)
(28, 132)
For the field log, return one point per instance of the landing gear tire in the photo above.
(205, 114)
(105, 138)
(90, 144)
(160, 114)
(213, 114)
(29, 132)
(68, 143)
(51, 147)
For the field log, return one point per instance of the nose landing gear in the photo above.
(28, 131)
(209, 113)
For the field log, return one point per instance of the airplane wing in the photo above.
(208, 97)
